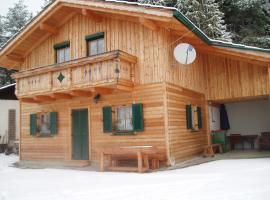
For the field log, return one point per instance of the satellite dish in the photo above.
(185, 53)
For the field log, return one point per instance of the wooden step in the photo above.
(126, 169)
(77, 163)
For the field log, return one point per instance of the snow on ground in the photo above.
(222, 180)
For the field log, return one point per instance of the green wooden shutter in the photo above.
(189, 116)
(53, 123)
(137, 112)
(33, 124)
(107, 119)
(199, 113)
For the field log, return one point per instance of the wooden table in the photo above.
(141, 153)
(241, 139)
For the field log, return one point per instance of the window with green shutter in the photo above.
(127, 119)
(107, 119)
(43, 124)
(189, 116)
(199, 113)
(137, 113)
(53, 123)
(33, 124)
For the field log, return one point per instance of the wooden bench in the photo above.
(140, 153)
(153, 159)
(210, 150)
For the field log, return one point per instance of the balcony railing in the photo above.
(113, 70)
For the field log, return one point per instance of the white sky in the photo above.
(33, 5)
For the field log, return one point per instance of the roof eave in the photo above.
(181, 18)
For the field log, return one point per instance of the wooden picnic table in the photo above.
(141, 153)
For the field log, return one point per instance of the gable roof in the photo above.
(12, 52)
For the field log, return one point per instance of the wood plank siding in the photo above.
(229, 79)
(183, 143)
(59, 147)
(130, 37)
(210, 74)
(163, 86)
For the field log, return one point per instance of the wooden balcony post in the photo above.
(132, 72)
(70, 78)
(17, 92)
(117, 70)
(50, 81)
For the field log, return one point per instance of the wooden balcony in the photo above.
(96, 74)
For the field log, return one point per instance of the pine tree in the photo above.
(204, 13)
(5, 76)
(169, 3)
(214, 24)
(46, 2)
(2, 36)
(248, 21)
(16, 18)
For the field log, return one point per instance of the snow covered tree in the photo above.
(204, 13)
(5, 76)
(248, 21)
(46, 2)
(16, 18)
(2, 36)
(169, 3)
(213, 24)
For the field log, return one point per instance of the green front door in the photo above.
(80, 147)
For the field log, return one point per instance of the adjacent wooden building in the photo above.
(97, 73)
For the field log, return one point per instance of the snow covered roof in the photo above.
(7, 92)
(7, 86)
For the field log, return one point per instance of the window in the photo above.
(95, 44)
(43, 124)
(194, 117)
(62, 52)
(124, 119)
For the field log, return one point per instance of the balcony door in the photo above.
(80, 142)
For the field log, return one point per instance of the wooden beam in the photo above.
(81, 93)
(61, 96)
(43, 38)
(103, 90)
(48, 28)
(124, 88)
(92, 15)
(29, 100)
(16, 58)
(148, 23)
(100, 6)
(43, 98)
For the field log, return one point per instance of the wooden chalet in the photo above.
(102, 73)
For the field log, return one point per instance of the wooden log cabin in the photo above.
(97, 73)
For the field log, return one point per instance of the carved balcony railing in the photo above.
(111, 70)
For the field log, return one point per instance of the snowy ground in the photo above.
(222, 180)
